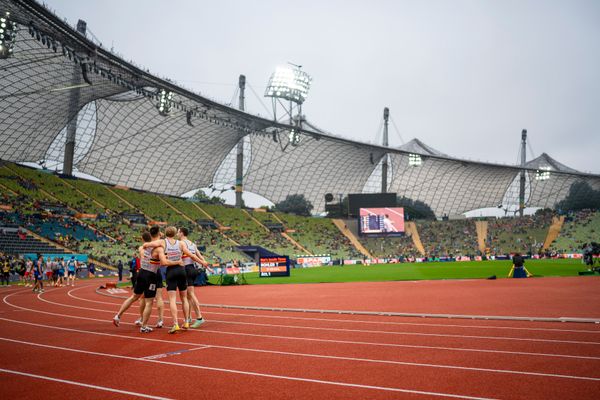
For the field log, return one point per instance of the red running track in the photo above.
(62, 344)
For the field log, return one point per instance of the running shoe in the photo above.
(116, 321)
(159, 324)
(138, 322)
(197, 323)
(175, 329)
(186, 325)
(146, 329)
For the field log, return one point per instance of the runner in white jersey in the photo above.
(191, 273)
(150, 259)
(160, 305)
(175, 250)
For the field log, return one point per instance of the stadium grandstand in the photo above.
(363, 271)
(70, 104)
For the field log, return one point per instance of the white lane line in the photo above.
(174, 353)
(312, 355)
(351, 330)
(106, 389)
(249, 373)
(458, 349)
(356, 321)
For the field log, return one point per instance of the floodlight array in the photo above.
(8, 35)
(289, 83)
(414, 160)
(165, 100)
(542, 174)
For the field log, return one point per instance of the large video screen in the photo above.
(387, 221)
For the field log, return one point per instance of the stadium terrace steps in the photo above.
(59, 182)
(175, 209)
(579, 228)
(554, 231)
(481, 227)
(93, 200)
(120, 197)
(10, 242)
(194, 222)
(53, 186)
(411, 229)
(355, 242)
(283, 234)
(255, 220)
(4, 188)
(63, 248)
(295, 243)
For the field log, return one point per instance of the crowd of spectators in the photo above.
(579, 228)
(524, 234)
(448, 238)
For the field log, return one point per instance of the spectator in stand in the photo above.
(61, 272)
(21, 271)
(133, 269)
(120, 269)
(71, 268)
(48, 270)
(28, 273)
(5, 270)
(38, 268)
(54, 268)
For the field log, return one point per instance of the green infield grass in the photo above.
(417, 271)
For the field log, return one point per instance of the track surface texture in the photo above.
(62, 343)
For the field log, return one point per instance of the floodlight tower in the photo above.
(384, 165)
(239, 166)
(292, 84)
(522, 178)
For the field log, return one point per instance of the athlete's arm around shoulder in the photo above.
(154, 243)
(186, 252)
(164, 261)
(141, 251)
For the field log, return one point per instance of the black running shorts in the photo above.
(176, 278)
(160, 277)
(146, 284)
(191, 272)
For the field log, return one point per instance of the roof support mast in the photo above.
(384, 165)
(239, 167)
(522, 179)
(72, 124)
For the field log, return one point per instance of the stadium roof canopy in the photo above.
(56, 75)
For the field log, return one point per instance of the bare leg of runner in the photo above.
(147, 310)
(160, 305)
(186, 307)
(126, 304)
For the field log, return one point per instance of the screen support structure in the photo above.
(384, 165)
(239, 166)
(522, 177)
(72, 124)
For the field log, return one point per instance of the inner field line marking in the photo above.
(87, 385)
(248, 373)
(357, 330)
(458, 349)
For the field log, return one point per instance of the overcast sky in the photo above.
(463, 76)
